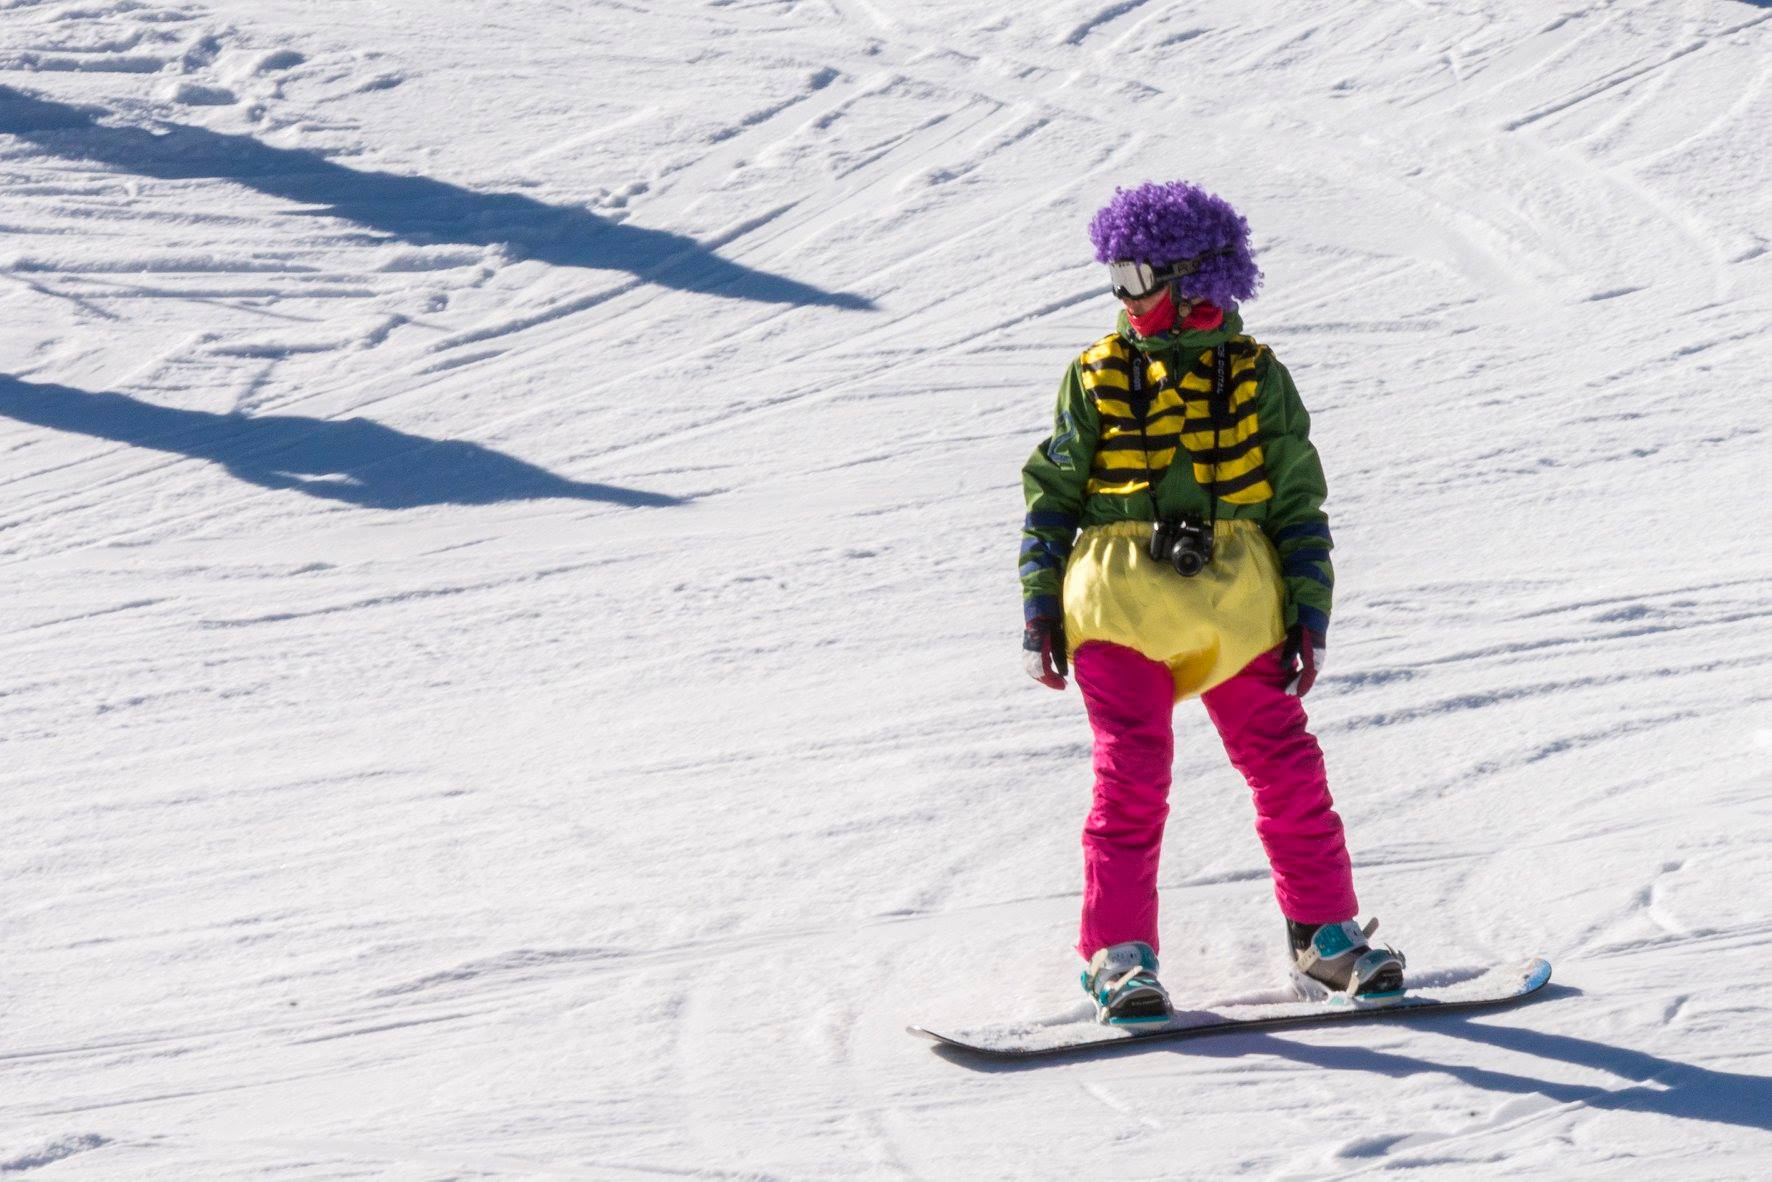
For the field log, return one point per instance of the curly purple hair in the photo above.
(1168, 223)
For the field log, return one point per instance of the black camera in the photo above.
(1185, 545)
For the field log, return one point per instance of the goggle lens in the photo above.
(1132, 280)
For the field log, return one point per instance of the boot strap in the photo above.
(1371, 962)
(1310, 956)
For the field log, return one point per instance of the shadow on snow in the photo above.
(412, 209)
(351, 460)
(1664, 1087)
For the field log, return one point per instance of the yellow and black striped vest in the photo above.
(1178, 414)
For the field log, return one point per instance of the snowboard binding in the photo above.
(1333, 962)
(1121, 980)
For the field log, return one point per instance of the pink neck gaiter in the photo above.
(1203, 317)
(1161, 318)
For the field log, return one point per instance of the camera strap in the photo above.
(1218, 408)
(1141, 406)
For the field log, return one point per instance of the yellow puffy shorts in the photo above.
(1205, 628)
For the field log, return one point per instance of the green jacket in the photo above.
(1093, 468)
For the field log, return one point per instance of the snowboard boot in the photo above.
(1121, 980)
(1333, 962)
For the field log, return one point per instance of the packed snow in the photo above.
(508, 526)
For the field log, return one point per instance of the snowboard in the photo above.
(1077, 1030)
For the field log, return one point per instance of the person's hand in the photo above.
(1302, 659)
(1042, 651)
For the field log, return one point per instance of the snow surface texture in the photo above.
(508, 543)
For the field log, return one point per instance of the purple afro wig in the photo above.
(1169, 223)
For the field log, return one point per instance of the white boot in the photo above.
(1333, 962)
(1122, 982)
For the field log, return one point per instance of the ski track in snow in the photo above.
(505, 532)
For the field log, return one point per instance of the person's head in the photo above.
(1174, 236)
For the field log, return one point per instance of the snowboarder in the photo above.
(1175, 546)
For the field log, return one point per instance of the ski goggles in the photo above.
(1132, 280)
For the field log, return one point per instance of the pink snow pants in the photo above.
(1131, 700)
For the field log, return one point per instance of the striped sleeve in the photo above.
(1296, 522)
(1053, 482)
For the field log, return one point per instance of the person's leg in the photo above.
(1130, 700)
(1266, 735)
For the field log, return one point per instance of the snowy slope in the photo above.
(507, 530)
